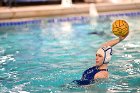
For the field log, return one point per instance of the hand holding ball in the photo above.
(120, 28)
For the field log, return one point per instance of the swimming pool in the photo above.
(41, 56)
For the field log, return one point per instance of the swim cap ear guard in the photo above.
(107, 54)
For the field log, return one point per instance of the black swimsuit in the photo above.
(88, 76)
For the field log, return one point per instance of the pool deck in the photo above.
(7, 13)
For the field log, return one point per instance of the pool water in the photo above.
(45, 57)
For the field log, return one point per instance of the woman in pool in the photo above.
(100, 71)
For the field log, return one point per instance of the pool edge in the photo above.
(58, 10)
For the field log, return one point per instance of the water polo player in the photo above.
(100, 70)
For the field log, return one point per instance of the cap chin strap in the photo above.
(106, 59)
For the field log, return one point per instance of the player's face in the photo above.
(99, 59)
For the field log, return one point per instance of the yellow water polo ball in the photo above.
(120, 28)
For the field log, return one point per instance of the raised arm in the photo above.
(114, 42)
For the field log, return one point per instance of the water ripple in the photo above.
(9, 57)
(2, 51)
(19, 88)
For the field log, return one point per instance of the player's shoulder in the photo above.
(101, 75)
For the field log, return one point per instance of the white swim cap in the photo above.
(106, 52)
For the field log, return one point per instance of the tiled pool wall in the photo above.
(68, 19)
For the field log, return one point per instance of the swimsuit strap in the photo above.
(103, 69)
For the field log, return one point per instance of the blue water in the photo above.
(45, 57)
